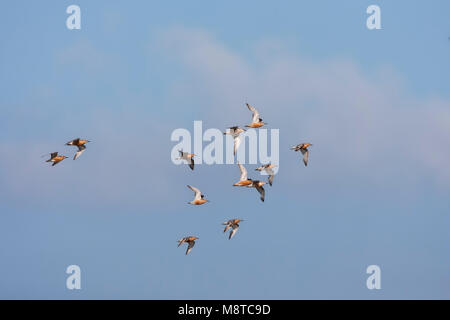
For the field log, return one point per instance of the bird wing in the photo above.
(262, 192)
(191, 244)
(271, 175)
(75, 141)
(81, 147)
(271, 179)
(181, 241)
(53, 155)
(233, 231)
(237, 143)
(305, 156)
(198, 193)
(233, 130)
(228, 226)
(255, 117)
(244, 173)
(78, 154)
(191, 163)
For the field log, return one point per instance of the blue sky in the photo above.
(375, 104)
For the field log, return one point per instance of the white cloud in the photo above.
(365, 129)
(372, 126)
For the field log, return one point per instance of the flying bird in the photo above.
(234, 225)
(55, 158)
(268, 169)
(235, 133)
(257, 122)
(258, 185)
(303, 147)
(190, 241)
(198, 198)
(236, 130)
(189, 157)
(78, 143)
(243, 180)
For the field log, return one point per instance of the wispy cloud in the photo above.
(365, 129)
(370, 125)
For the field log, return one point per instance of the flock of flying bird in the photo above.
(199, 197)
(244, 181)
(79, 143)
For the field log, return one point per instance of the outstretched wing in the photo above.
(237, 143)
(191, 244)
(305, 156)
(244, 173)
(81, 149)
(262, 192)
(296, 147)
(78, 154)
(191, 163)
(271, 179)
(74, 141)
(181, 241)
(232, 130)
(198, 193)
(227, 226)
(233, 231)
(255, 117)
(53, 155)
